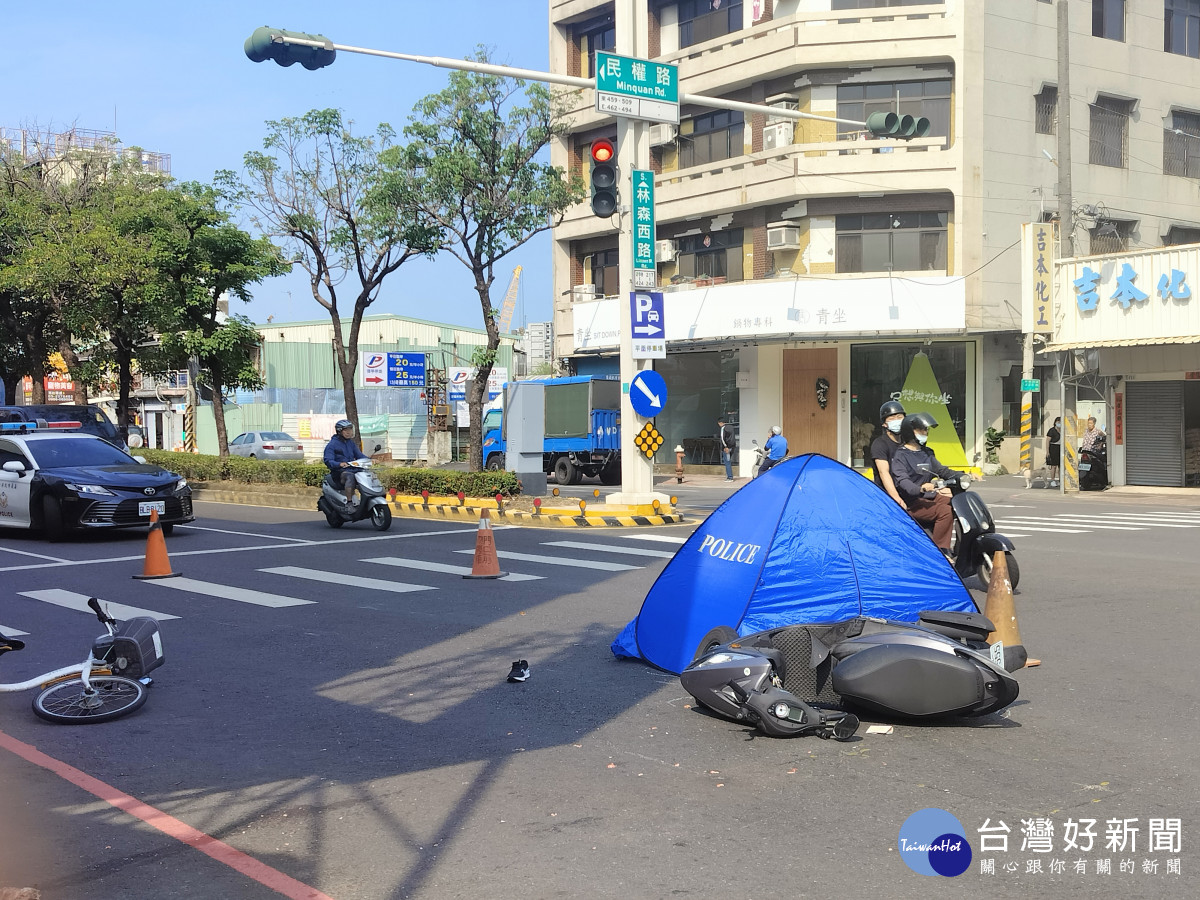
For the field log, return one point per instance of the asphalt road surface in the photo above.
(333, 720)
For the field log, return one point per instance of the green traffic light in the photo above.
(889, 124)
(262, 45)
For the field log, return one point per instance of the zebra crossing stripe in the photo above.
(1021, 523)
(11, 632)
(604, 548)
(78, 602)
(228, 592)
(662, 538)
(373, 584)
(559, 561)
(1024, 526)
(1141, 520)
(427, 566)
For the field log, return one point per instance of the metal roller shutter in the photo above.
(1154, 433)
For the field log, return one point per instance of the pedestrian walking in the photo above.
(728, 443)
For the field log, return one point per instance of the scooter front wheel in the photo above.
(381, 517)
(984, 571)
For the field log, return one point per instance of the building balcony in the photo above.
(792, 172)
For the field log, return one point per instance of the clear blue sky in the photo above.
(173, 78)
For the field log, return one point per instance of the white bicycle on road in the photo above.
(109, 684)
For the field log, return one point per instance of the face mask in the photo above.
(894, 427)
(922, 438)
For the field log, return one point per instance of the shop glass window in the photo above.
(1045, 109)
(1181, 145)
(715, 136)
(880, 372)
(930, 99)
(892, 242)
(1108, 19)
(1109, 131)
(605, 275)
(717, 255)
(1182, 26)
(703, 387)
(703, 20)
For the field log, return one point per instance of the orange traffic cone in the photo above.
(486, 563)
(157, 563)
(1001, 608)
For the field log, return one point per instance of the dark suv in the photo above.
(91, 419)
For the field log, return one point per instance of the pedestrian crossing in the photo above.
(1016, 525)
(420, 575)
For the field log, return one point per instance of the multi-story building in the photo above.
(538, 344)
(811, 273)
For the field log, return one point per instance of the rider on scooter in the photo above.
(341, 453)
(914, 468)
(884, 447)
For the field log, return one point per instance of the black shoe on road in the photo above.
(520, 671)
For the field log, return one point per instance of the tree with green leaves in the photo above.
(477, 155)
(317, 189)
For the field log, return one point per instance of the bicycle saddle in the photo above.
(7, 643)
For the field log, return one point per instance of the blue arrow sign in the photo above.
(648, 393)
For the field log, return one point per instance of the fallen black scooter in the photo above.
(975, 539)
(800, 679)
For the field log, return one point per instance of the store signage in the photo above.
(1127, 293)
(1038, 240)
(391, 369)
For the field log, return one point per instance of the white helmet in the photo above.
(776, 430)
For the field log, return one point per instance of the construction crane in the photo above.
(510, 302)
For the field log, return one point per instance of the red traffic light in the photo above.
(603, 150)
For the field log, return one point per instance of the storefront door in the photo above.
(809, 427)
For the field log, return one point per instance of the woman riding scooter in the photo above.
(914, 468)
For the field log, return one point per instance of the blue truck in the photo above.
(583, 429)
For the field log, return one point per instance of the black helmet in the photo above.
(891, 408)
(916, 420)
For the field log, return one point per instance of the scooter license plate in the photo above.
(1085, 467)
(158, 506)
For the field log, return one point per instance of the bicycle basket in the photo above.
(135, 650)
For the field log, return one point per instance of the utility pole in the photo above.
(1069, 474)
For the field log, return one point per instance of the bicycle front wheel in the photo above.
(110, 697)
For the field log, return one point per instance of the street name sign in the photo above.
(637, 88)
(1031, 385)
(649, 329)
(645, 265)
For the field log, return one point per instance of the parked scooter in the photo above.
(975, 539)
(371, 501)
(1093, 467)
(759, 455)
(783, 679)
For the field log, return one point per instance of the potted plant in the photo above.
(992, 440)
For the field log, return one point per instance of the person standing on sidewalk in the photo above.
(728, 444)
(1054, 450)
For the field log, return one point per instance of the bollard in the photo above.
(679, 451)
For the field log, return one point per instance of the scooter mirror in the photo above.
(846, 727)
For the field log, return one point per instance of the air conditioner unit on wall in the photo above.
(778, 135)
(584, 289)
(661, 134)
(664, 251)
(783, 236)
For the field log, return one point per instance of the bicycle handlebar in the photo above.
(94, 604)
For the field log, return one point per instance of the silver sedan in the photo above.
(266, 445)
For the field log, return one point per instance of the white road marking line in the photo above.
(443, 568)
(608, 548)
(78, 602)
(228, 592)
(269, 537)
(34, 555)
(1026, 527)
(13, 632)
(663, 538)
(1022, 522)
(1143, 520)
(559, 561)
(139, 557)
(374, 584)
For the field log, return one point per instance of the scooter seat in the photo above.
(962, 626)
(911, 681)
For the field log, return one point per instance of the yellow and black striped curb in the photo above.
(539, 520)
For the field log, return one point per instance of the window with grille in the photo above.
(703, 20)
(1108, 19)
(605, 275)
(1110, 236)
(892, 242)
(715, 136)
(1182, 27)
(1045, 109)
(1109, 131)
(1177, 234)
(1181, 145)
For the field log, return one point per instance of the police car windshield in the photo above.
(76, 451)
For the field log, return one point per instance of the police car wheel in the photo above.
(52, 520)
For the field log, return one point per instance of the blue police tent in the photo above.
(809, 541)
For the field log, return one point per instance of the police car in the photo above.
(58, 480)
